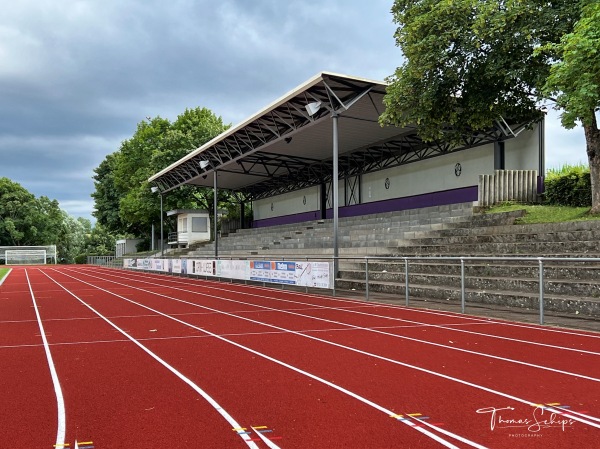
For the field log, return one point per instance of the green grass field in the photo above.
(3, 272)
(546, 214)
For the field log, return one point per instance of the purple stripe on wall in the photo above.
(287, 219)
(441, 198)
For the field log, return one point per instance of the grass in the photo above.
(3, 272)
(546, 214)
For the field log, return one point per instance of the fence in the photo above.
(539, 262)
(110, 261)
(508, 185)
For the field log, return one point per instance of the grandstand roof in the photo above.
(282, 148)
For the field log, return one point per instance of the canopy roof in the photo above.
(283, 148)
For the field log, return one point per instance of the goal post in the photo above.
(27, 255)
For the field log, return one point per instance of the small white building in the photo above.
(126, 246)
(193, 226)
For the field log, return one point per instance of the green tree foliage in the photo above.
(25, 219)
(29, 221)
(575, 82)
(106, 195)
(469, 62)
(123, 200)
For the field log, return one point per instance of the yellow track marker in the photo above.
(396, 416)
(259, 427)
(412, 415)
(553, 403)
(62, 445)
(237, 429)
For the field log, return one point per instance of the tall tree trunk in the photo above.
(592, 140)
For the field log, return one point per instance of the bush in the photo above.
(569, 186)
(81, 259)
(143, 246)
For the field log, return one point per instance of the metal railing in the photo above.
(540, 263)
(102, 260)
(463, 260)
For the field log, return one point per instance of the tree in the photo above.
(72, 238)
(25, 219)
(575, 81)
(123, 199)
(16, 207)
(106, 196)
(470, 62)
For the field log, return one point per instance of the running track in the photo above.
(123, 359)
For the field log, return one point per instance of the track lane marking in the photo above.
(60, 401)
(393, 318)
(471, 384)
(374, 304)
(284, 364)
(180, 375)
(355, 327)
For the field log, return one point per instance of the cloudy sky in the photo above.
(76, 76)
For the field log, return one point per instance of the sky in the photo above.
(77, 76)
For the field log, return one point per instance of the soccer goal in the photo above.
(27, 255)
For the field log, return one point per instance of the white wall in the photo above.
(427, 176)
(431, 175)
(305, 200)
(522, 152)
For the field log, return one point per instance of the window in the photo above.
(199, 224)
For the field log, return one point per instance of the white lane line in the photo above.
(375, 330)
(375, 304)
(196, 388)
(60, 402)
(387, 359)
(220, 288)
(5, 277)
(284, 364)
(402, 337)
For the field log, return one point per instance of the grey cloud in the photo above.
(77, 76)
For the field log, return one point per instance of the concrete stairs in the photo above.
(569, 287)
(445, 231)
(374, 234)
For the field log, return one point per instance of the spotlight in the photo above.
(313, 108)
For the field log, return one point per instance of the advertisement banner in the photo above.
(176, 268)
(275, 272)
(312, 274)
(233, 269)
(203, 267)
(305, 274)
(144, 264)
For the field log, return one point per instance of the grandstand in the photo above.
(319, 153)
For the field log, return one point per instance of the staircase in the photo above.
(569, 287)
(442, 231)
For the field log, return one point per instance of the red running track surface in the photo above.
(135, 360)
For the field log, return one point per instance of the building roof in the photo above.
(283, 148)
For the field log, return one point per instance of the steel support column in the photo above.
(334, 192)
(216, 213)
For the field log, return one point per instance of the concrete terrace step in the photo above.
(565, 304)
(525, 269)
(573, 236)
(482, 249)
(565, 287)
